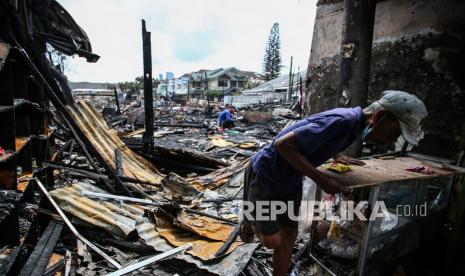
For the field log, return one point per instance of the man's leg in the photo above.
(282, 254)
(228, 124)
(283, 243)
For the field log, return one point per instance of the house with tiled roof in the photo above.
(217, 81)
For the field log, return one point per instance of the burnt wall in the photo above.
(418, 47)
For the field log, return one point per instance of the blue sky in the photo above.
(187, 35)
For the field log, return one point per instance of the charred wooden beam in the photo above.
(148, 89)
(118, 109)
(38, 260)
(232, 237)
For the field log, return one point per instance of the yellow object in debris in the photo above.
(247, 145)
(337, 167)
(221, 143)
(334, 232)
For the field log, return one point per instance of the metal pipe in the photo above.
(150, 260)
(73, 229)
(289, 91)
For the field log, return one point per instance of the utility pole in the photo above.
(206, 88)
(354, 68)
(188, 91)
(289, 92)
(301, 101)
(148, 89)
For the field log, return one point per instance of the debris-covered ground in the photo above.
(132, 182)
(86, 196)
(191, 196)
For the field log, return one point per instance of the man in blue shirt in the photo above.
(226, 119)
(275, 172)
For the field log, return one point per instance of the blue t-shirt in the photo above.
(225, 115)
(320, 137)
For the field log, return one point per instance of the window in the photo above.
(233, 83)
(222, 83)
(240, 83)
(196, 84)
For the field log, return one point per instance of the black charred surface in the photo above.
(427, 65)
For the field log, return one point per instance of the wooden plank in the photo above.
(379, 171)
(38, 260)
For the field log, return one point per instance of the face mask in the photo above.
(368, 129)
(365, 132)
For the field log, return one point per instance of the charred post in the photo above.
(354, 67)
(148, 89)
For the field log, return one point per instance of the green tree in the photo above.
(136, 85)
(272, 59)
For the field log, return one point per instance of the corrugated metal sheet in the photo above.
(207, 227)
(202, 248)
(217, 178)
(105, 141)
(119, 221)
(230, 265)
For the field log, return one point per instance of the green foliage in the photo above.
(136, 85)
(215, 93)
(272, 59)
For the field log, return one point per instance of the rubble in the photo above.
(100, 201)
(88, 190)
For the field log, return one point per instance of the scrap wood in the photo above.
(150, 260)
(39, 258)
(73, 229)
(202, 248)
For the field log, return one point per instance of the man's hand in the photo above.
(347, 160)
(331, 186)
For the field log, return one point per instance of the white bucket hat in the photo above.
(409, 110)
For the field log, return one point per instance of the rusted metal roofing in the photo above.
(217, 178)
(202, 247)
(105, 141)
(231, 264)
(213, 229)
(119, 221)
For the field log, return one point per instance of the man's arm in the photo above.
(288, 147)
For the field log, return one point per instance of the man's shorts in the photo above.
(228, 124)
(255, 190)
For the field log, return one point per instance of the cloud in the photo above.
(188, 35)
(196, 46)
